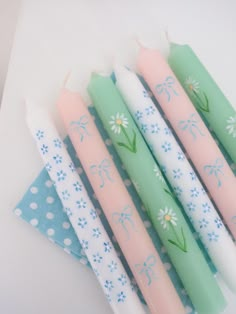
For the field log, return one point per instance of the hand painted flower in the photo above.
(150, 110)
(192, 85)
(166, 146)
(117, 121)
(194, 192)
(177, 173)
(72, 167)
(122, 279)
(108, 285)
(77, 186)
(158, 173)
(112, 267)
(39, 134)
(180, 156)
(138, 115)
(81, 203)
(61, 175)
(213, 237)
(68, 211)
(65, 195)
(206, 208)
(121, 297)
(155, 128)
(97, 258)
(82, 222)
(96, 233)
(191, 207)
(144, 128)
(93, 213)
(48, 167)
(44, 149)
(107, 247)
(84, 244)
(178, 191)
(57, 143)
(58, 159)
(231, 127)
(167, 216)
(203, 223)
(218, 223)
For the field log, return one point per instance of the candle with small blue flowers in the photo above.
(83, 216)
(180, 174)
(206, 96)
(160, 203)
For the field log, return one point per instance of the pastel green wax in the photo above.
(162, 208)
(206, 96)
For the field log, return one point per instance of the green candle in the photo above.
(157, 198)
(205, 95)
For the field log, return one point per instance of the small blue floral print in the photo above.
(123, 279)
(39, 134)
(177, 173)
(107, 247)
(61, 175)
(166, 146)
(82, 222)
(44, 149)
(193, 176)
(57, 159)
(164, 169)
(213, 237)
(178, 191)
(206, 208)
(150, 110)
(77, 186)
(48, 167)
(71, 166)
(180, 156)
(203, 223)
(112, 267)
(65, 195)
(203, 191)
(93, 213)
(108, 285)
(84, 244)
(96, 233)
(57, 143)
(108, 297)
(218, 222)
(144, 128)
(81, 204)
(155, 128)
(96, 272)
(167, 131)
(138, 115)
(121, 297)
(191, 207)
(68, 211)
(194, 192)
(97, 258)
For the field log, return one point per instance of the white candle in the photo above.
(83, 216)
(180, 174)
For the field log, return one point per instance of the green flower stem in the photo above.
(204, 107)
(126, 135)
(179, 244)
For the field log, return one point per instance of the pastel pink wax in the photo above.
(118, 207)
(192, 132)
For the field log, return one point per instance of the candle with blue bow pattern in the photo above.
(192, 132)
(180, 174)
(83, 216)
(118, 206)
(159, 201)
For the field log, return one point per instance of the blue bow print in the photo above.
(124, 217)
(215, 170)
(80, 126)
(191, 125)
(103, 171)
(166, 87)
(146, 268)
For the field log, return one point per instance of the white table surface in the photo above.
(52, 38)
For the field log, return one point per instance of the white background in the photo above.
(52, 38)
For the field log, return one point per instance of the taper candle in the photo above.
(160, 203)
(118, 206)
(192, 132)
(83, 216)
(206, 96)
(180, 174)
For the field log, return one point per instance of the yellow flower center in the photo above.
(118, 121)
(191, 86)
(167, 217)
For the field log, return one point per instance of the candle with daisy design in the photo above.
(82, 214)
(180, 174)
(205, 94)
(192, 132)
(159, 201)
(116, 202)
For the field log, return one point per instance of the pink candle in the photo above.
(194, 135)
(118, 207)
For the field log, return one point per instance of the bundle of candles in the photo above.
(148, 137)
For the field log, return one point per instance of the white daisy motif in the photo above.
(231, 127)
(117, 121)
(192, 84)
(158, 173)
(166, 217)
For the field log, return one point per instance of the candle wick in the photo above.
(66, 79)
